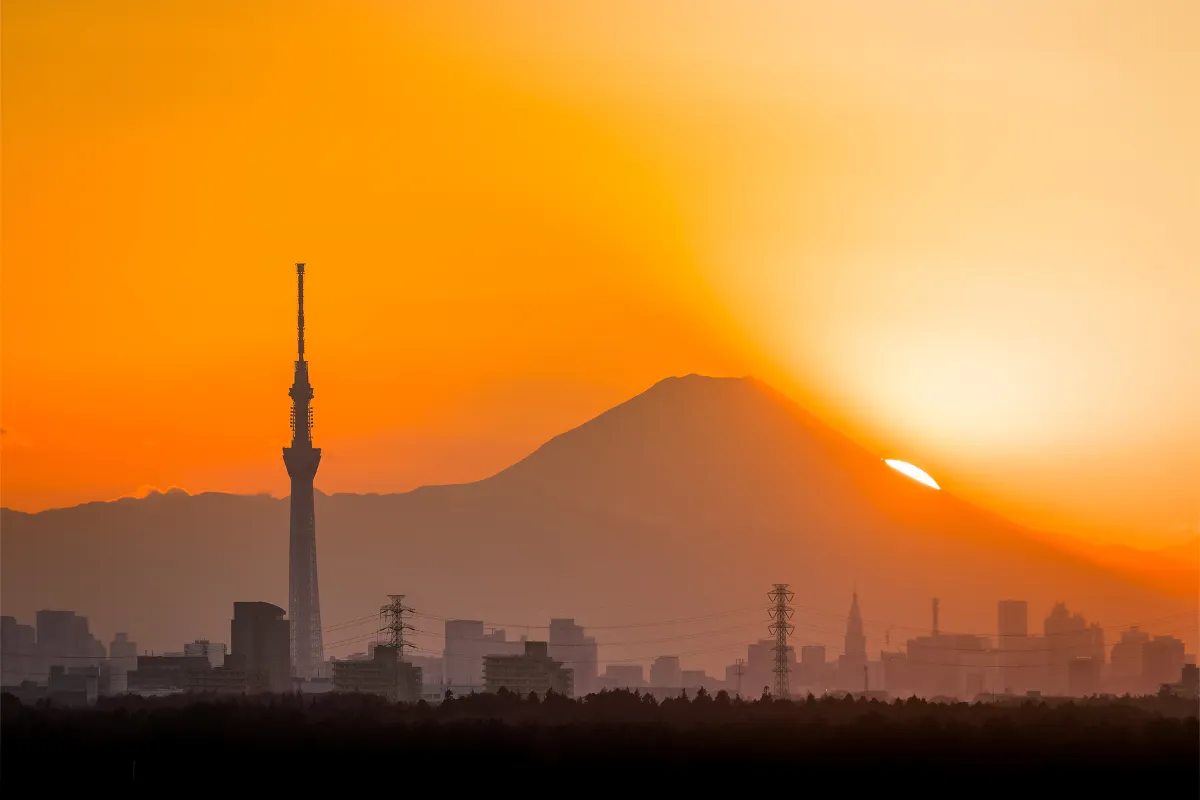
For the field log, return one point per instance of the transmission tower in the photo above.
(781, 627)
(393, 625)
(739, 669)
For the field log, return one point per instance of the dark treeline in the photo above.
(621, 739)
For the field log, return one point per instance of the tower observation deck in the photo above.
(302, 460)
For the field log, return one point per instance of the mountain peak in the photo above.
(699, 490)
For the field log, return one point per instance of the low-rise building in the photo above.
(165, 673)
(622, 676)
(383, 674)
(78, 686)
(532, 671)
(214, 651)
(231, 677)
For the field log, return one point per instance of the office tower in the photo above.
(1162, 661)
(853, 661)
(1013, 619)
(665, 673)
(577, 652)
(259, 637)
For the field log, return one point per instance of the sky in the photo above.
(964, 234)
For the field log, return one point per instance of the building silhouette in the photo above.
(18, 644)
(853, 661)
(302, 460)
(759, 670)
(1021, 662)
(63, 639)
(532, 671)
(1083, 676)
(1126, 661)
(811, 670)
(622, 676)
(73, 686)
(122, 659)
(665, 673)
(1068, 636)
(259, 641)
(215, 652)
(385, 674)
(1013, 618)
(156, 674)
(576, 651)
(467, 643)
(1162, 661)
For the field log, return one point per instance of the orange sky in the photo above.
(965, 237)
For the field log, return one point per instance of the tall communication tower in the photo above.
(393, 625)
(781, 627)
(302, 460)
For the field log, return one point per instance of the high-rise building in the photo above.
(259, 638)
(122, 660)
(1068, 636)
(18, 644)
(462, 654)
(1162, 661)
(811, 671)
(812, 655)
(1013, 619)
(665, 673)
(1082, 676)
(1020, 660)
(1126, 656)
(853, 661)
(576, 651)
(759, 672)
(63, 638)
(302, 460)
(467, 644)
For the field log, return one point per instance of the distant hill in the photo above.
(689, 499)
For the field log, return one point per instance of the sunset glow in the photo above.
(955, 231)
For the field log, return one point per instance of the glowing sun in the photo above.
(916, 473)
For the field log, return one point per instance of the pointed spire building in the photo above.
(856, 641)
(852, 664)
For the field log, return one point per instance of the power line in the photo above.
(484, 639)
(527, 626)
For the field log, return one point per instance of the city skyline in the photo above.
(1010, 661)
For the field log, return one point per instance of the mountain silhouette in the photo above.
(687, 500)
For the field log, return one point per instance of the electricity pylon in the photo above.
(781, 627)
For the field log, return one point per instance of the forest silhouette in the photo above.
(280, 740)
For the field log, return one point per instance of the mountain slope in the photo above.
(689, 499)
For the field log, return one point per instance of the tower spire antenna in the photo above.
(300, 311)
